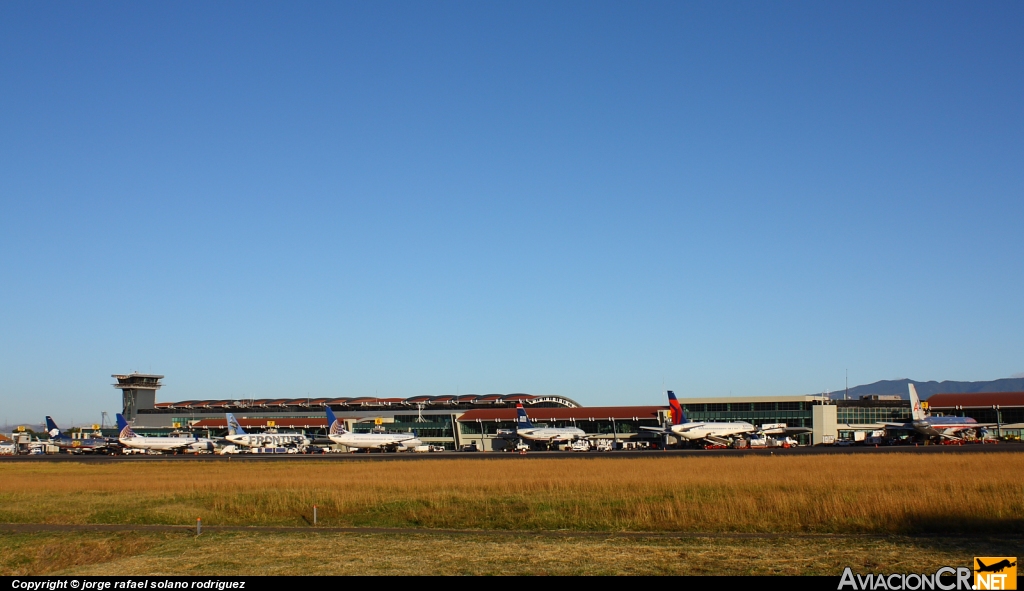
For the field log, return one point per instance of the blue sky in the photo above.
(583, 198)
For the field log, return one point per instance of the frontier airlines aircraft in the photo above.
(238, 436)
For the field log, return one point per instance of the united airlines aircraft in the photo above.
(188, 443)
(382, 441)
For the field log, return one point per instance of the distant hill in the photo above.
(926, 389)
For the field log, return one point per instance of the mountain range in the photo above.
(926, 389)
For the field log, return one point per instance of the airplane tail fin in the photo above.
(52, 428)
(917, 411)
(234, 428)
(522, 421)
(126, 429)
(678, 416)
(334, 427)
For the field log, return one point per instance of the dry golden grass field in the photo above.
(235, 553)
(969, 504)
(893, 494)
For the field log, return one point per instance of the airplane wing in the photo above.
(956, 433)
(780, 428)
(798, 430)
(786, 430)
(903, 426)
(661, 430)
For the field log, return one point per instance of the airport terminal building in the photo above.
(456, 421)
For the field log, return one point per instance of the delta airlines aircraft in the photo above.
(718, 433)
(381, 441)
(937, 427)
(189, 443)
(238, 436)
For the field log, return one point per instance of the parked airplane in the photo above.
(526, 430)
(238, 436)
(717, 433)
(937, 427)
(382, 441)
(189, 443)
(93, 444)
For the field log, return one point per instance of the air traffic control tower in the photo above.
(138, 390)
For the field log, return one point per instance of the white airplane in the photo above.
(526, 430)
(238, 436)
(128, 438)
(717, 433)
(381, 441)
(938, 427)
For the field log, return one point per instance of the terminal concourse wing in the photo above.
(786, 430)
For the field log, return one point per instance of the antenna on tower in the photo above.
(847, 395)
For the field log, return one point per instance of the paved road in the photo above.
(408, 456)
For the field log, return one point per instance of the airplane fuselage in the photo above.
(944, 426)
(376, 440)
(168, 443)
(78, 445)
(268, 439)
(551, 433)
(692, 432)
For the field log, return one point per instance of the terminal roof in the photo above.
(976, 400)
(587, 413)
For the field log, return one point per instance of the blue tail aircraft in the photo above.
(76, 446)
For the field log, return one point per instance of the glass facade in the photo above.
(431, 426)
(597, 427)
(872, 414)
(794, 414)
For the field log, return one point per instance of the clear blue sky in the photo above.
(583, 198)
